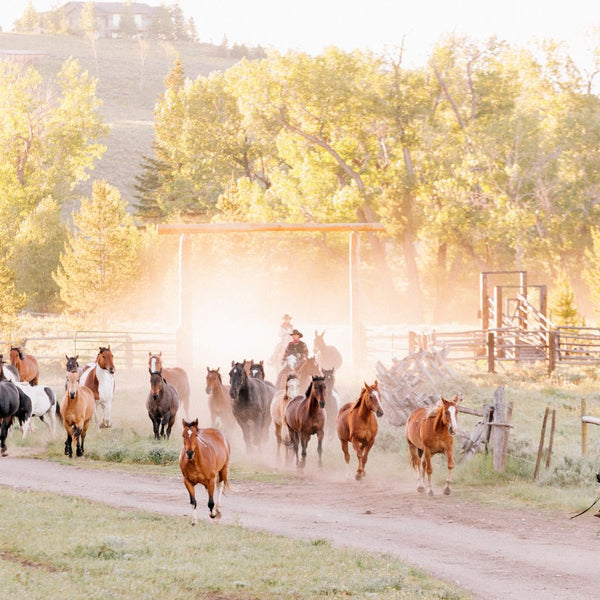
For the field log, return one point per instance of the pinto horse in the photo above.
(328, 357)
(13, 404)
(176, 376)
(162, 405)
(204, 459)
(43, 405)
(26, 365)
(356, 424)
(278, 405)
(430, 431)
(76, 411)
(219, 401)
(251, 401)
(304, 416)
(99, 377)
(8, 372)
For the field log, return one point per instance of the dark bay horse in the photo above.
(219, 401)
(304, 416)
(357, 424)
(176, 376)
(76, 411)
(162, 405)
(204, 459)
(430, 431)
(251, 401)
(14, 404)
(328, 357)
(99, 377)
(26, 365)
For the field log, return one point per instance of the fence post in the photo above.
(541, 446)
(491, 352)
(551, 441)
(551, 351)
(497, 431)
(584, 429)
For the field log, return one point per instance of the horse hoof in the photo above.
(420, 489)
(3, 451)
(430, 492)
(446, 491)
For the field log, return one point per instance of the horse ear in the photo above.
(149, 354)
(183, 423)
(218, 369)
(77, 357)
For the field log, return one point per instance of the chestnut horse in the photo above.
(430, 431)
(356, 424)
(26, 365)
(204, 459)
(219, 402)
(76, 411)
(176, 376)
(278, 405)
(99, 377)
(304, 416)
(162, 405)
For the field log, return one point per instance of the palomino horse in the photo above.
(162, 405)
(278, 404)
(219, 402)
(13, 404)
(304, 416)
(328, 357)
(76, 411)
(305, 372)
(43, 405)
(99, 377)
(176, 376)
(356, 424)
(251, 401)
(26, 364)
(430, 431)
(204, 459)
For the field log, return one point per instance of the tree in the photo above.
(89, 25)
(30, 20)
(100, 263)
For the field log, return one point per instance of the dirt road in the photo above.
(491, 552)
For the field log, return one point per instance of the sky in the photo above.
(312, 25)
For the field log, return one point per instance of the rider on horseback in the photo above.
(297, 348)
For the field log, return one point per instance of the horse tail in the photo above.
(58, 412)
(51, 395)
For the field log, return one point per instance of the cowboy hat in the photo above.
(286, 317)
(296, 332)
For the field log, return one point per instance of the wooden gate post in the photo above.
(491, 352)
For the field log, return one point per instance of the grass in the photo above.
(60, 547)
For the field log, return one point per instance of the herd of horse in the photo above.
(301, 403)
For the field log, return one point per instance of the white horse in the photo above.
(43, 405)
(99, 377)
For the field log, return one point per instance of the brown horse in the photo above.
(26, 365)
(99, 377)
(162, 405)
(204, 459)
(278, 405)
(328, 357)
(219, 402)
(76, 411)
(356, 424)
(176, 376)
(430, 431)
(304, 416)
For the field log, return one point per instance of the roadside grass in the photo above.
(62, 547)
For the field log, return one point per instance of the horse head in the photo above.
(155, 362)
(15, 352)
(72, 384)
(212, 376)
(156, 384)
(190, 435)
(317, 389)
(72, 364)
(319, 342)
(371, 395)
(292, 386)
(449, 409)
(105, 359)
(236, 376)
(257, 370)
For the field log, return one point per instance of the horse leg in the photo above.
(68, 446)
(320, 436)
(278, 437)
(210, 488)
(79, 444)
(346, 456)
(450, 458)
(359, 449)
(427, 468)
(3, 434)
(303, 446)
(189, 486)
(415, 461)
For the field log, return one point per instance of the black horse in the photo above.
(14, 403)
(162, 405)
(251, 403)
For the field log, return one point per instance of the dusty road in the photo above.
(491, 552)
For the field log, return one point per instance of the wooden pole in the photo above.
(506, 432)
(498, 432)
(551, 351)
(551, 441)
(491, 352)
(584, 429)
(541, 446)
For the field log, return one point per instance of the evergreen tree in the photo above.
(30, 20)
(563, 310)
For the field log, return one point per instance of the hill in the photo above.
(128, 87)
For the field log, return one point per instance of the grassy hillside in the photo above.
(128, 94)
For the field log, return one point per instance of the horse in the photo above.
(430, 431)
(356, 424)
(328, 357)
(176, 376)
(304, 416)
(26, 365)
(72, 363)
(251, 401)
(43, 405)
(219, 401)
(162, 405)
(99, 377)
(204, 459)
(278, 404)
(257, 369)
(13, 404)
(76, 411)
(8, 372)
(305, 372)
(332, 400)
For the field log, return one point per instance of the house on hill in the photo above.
(110, 15)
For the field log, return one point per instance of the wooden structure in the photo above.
(184, 230)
